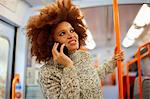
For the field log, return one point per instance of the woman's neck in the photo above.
(71, 52)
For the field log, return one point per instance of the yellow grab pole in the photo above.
(117, 31)
(15, 80)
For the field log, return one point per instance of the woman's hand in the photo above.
(118, 56)
(60, 57)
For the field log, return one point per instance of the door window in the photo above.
(4, 51)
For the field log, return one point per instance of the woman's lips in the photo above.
(73, 41)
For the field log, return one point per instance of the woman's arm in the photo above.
(59, 84)
(106, 68)
(109, 66)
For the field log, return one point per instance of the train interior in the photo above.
(19, 71)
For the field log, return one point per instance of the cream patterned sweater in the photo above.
(79, 82)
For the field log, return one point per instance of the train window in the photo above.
(32, 87)
(4, 51)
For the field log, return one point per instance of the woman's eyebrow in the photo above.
(60, 31)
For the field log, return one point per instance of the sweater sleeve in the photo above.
(106, 68)
(59, 84)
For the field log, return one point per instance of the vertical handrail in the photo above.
(128, 80)
(138, 54)
(15, 80)
(139, 73)
(138, 58)
(117, 31)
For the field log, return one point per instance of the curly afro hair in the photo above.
(39, 27)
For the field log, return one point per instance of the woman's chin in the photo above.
(73, 49)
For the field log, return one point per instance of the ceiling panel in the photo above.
(87, 3)
(38, 2)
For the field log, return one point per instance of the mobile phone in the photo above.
(65, 50)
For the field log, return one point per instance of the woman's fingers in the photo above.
(62, 49)
(54, 51)
(119, 56)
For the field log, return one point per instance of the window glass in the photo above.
(4, 51)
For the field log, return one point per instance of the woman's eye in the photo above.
(72, 30)
(62, 33)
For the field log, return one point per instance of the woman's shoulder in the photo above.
(81, 56)
(81, 53)
(84, 54)
(49, 69)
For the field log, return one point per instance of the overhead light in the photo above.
(134, 32)
(143, 16)
(90, 43)
(127, 42)
(141, 20)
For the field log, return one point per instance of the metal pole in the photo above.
(117, 31)
(128, 80)
(15, 80)
(139, 73)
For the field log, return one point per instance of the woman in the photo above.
(71, 75)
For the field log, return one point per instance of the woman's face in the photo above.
(64, 33)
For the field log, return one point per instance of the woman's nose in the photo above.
(70, 35)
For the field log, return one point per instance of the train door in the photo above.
(7, 33)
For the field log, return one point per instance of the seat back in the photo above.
(145, 88)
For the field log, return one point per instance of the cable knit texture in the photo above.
(82, 81)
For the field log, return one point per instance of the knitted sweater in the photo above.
(82, 81)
